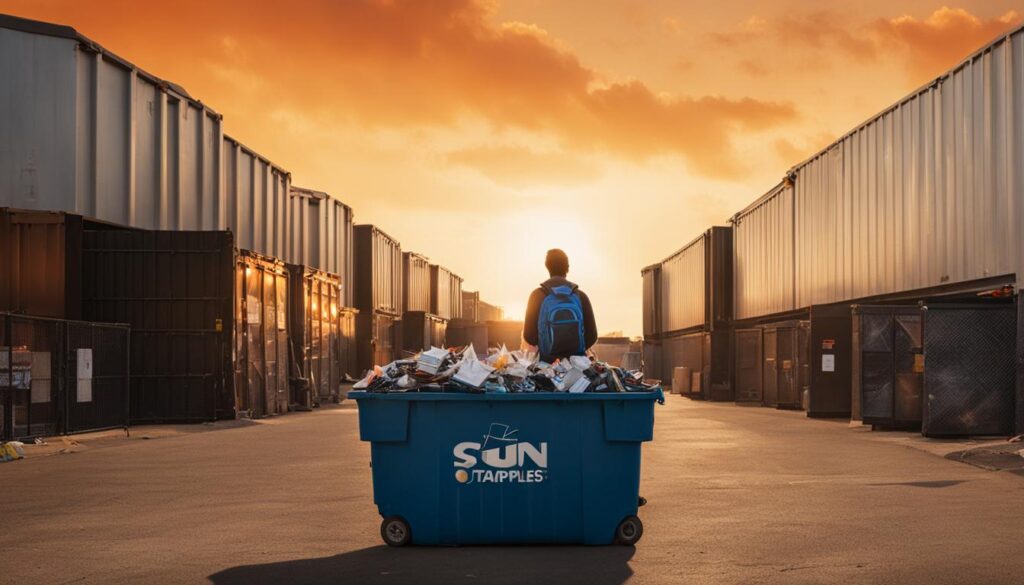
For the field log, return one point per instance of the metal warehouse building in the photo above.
(920, 205)
(687, 308)
(122, 199)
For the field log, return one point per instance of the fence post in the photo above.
(7, 424)
(127, 380)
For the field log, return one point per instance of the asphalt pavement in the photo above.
(736, 495)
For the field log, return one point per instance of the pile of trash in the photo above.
(501, 371)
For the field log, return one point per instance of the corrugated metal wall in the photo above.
(87, 132)
(763, 255)
(415, 282)
(651, 305)
(445, 293)
(256, 196)
(683, 287)
(925, 194)
(321, 233)
(488, 312)
(471, 305)
(378, 271)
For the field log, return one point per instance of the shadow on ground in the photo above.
(606, 565)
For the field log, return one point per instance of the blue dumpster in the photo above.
(451, 468)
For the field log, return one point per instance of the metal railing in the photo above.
(61, 377)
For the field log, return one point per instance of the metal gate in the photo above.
(749, 383)
(970, 370)
(889, 347)
(61, 377)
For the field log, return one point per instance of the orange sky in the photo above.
(482, 133)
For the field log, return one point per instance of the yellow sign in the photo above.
(919, 363)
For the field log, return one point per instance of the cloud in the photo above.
(412, 64)
(521, 167)
(926, 46)
(941, 40)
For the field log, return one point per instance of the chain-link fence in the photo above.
(61, 377)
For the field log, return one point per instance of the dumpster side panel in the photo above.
(480, 470)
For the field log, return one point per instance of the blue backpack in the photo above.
(560, 324)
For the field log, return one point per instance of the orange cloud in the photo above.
(943, 39)
(410, 63)
(928, 46)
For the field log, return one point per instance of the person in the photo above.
(559, 317)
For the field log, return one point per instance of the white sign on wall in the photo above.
(828, 362)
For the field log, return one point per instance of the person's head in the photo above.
(557, 263)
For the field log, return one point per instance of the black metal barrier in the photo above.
(61, 377)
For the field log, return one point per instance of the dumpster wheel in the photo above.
(395, 531)
(629, 531)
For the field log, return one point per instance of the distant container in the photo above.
(316, 317)
(415, 282)
(764, 256)
(377, 272)
(507, 333)
(470, 305)
(475, 309)
(446, 293)
(87, 132)
(321, 235)
(489, 312)
(37, 277)
(651, 301)
(422, 331)
(611, 349)
(692, 288)
(377, 341)
(463, 332)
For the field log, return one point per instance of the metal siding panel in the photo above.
(148, 155)
(37, 121)
(113, 129)
(683, 279)
(924, 195)
(764, 256)
(185, 214)
(416, 283)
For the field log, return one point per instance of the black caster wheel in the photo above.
(629, 531)
(395, 531)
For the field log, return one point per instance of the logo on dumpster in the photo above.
(501, 458)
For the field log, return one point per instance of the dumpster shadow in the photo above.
(604, 565)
